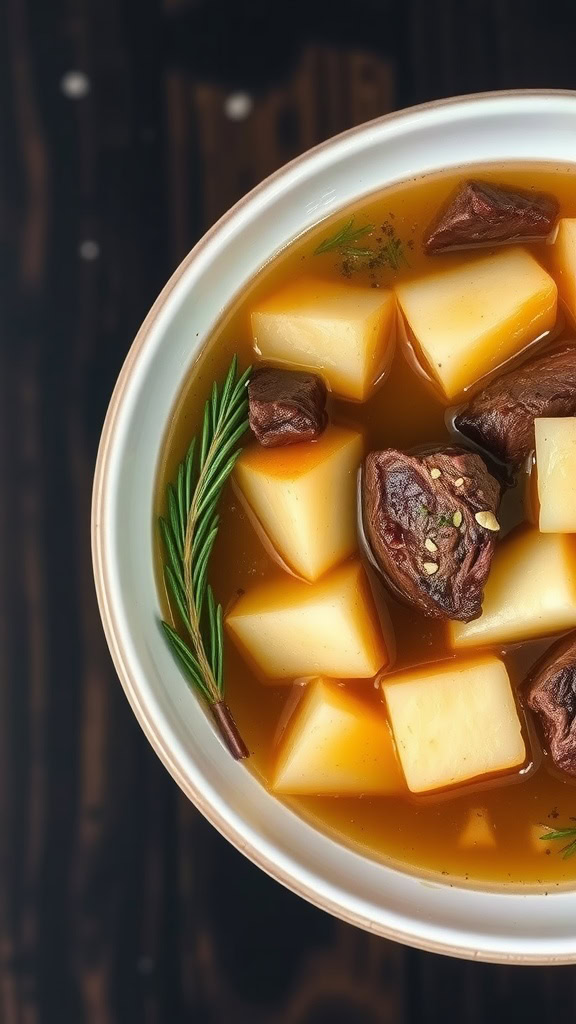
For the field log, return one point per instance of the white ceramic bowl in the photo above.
(520, 927)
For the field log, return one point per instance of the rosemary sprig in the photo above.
(344, 241)
(189, 530)
(561, 834)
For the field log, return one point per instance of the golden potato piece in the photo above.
(304, 497)
(288, 628)
(471, 317)
(336, 744)
(530, 592)
(556, 466)
(538, 844)
(454, 721)
(478, 832)
(564, 263)
(344, 332)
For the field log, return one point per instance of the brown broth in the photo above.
(420, 833)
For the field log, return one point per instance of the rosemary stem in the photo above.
(229, 730)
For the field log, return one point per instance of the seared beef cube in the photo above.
(551, 692)
(484, 214)
(431, 526)
(286, 406)
(501, 417)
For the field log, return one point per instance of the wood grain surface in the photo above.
(119, 904)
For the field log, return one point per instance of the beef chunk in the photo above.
(551, 692)
(484, 214)
(501, 417)
(431, 526)
(286, 406)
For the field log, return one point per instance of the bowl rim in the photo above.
(100, 500)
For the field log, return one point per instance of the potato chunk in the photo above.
(478, 832)
(531, 592)
(345, 332)
(337, 745)
(470, 318)
(564, 260)
(289, 628)
(556, 466)
(304, 496)
(538, 844)
(453, 722)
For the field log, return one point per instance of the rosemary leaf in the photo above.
(205, 550)
(241, 384)
(188, 470)
(228, 387)
(354, 252)
(176, 589)
(394, 254)
(214, 406)
(561, 834)
(181, 496)
(208, 523)
(226, 448)
(219, 645)
(201, 566)
(174, 556)
(345, 237)
(213, 621)
(206, 433)
(212, 492)
(177, 532)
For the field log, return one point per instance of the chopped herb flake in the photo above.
(444, 521)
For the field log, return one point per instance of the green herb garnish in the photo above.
(561, 834)
(387, 251)
(188, 532)
(392, 254)
(344, 240)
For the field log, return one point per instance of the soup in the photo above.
(395, 579)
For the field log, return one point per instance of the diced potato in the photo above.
(478, 830)
(471, 317)
(539, 845)
(304, 496)
(337, 745)
(345, 332)
(289, 628)
(564, 260)
(454, 721)
(530, 592)
(556, 466)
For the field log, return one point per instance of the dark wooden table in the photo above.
(126, 128)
